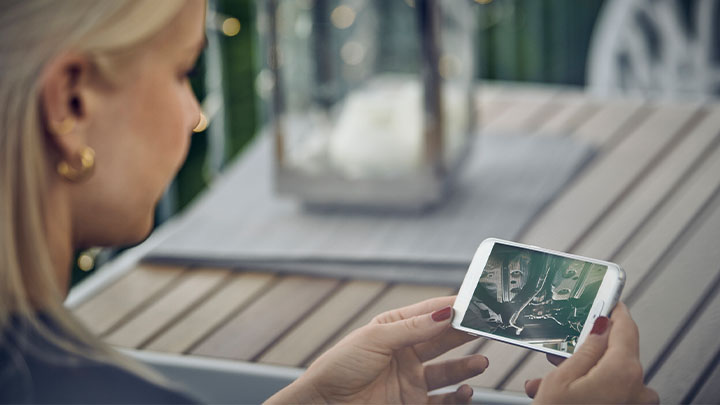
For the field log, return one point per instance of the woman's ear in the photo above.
(64, 100)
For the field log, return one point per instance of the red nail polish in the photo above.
(441, 315)
(600, 325)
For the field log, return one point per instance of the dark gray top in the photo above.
(32, 370)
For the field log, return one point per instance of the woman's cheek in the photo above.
(183, 149)
(176, 140)
(189, 113)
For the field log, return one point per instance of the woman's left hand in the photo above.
(382, 362)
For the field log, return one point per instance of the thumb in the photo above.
(588, 354)
(532, 387)
(414, 330)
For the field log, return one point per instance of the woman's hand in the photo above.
(382, 362)
(605, 369)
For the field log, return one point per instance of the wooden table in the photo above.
(649, 200)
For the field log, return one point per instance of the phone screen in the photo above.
(534, 297)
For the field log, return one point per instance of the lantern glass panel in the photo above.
(368, 90)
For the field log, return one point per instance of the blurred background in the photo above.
(550, 42)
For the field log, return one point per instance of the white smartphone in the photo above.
(535, 298)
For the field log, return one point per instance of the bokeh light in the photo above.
(231, 26)
(342, 17)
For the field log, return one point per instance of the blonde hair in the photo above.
(32, 33)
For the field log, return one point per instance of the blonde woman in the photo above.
(95, 117)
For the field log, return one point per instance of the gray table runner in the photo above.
(239, 222)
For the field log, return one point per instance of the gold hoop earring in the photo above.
(87, 165)
(202, 124)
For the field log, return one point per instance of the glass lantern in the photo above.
(371, 101)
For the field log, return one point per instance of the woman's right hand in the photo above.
(605, 369)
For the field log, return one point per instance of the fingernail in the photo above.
(441, 315)
(480, 364)
(465, 391)
(526, 383)
(600, 325)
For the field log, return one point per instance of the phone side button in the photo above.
(596, 309)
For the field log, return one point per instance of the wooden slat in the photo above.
(460, 351)
(521, 113)
(492, 100)
(106, 309)
(489, 110)
(648, 246)
(663, 307)
(642, 253)
(302, 341)
(710, 390)
(576, 110)
(266, 319)
(609, 235)
(236, 294)
(608, 123)
(486, 91)
(490, 107)
(543, 114)
(601, 184)
(665, 303)
(503, 358)
(531, 365)
(194, 285)
(691, 356)
(395, 297)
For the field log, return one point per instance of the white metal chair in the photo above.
(661, 49)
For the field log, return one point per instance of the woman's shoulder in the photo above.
(38, 381)
(34, 371)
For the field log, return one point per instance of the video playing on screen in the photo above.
(535, 297)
